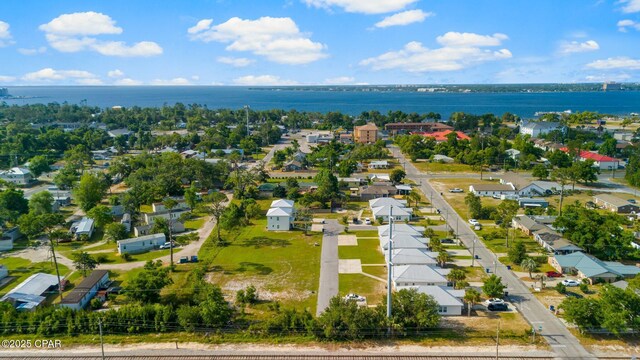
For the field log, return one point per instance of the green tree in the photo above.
(474, 205)
(586, 313)
(608, 147)
(328, 189)
(191, 197)
(563, 177)
(518, 252)
(90, 191)
(493, 286)
(412, 311)
(84, 262)
(12, 204)
(443, 257)
(397, 175)
(529, 265)
(345, 320)
(540, 171)
(146, 285)
(41, 203)
(38, 165)
(471, 297)
(216, 210)
(505, 213)
(101, 214)
(456, 276)
(115, 231)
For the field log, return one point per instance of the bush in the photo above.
(95, 303)
(102, 258)
(251, 295)
(584, 288)
(125, 256)
(561, 288)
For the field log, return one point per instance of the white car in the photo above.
(354, 297)
(494, 301)
(456, 190)
(569, 282)
(474, 222)
(167, 245)
(367, 221)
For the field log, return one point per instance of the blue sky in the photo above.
(282, 42)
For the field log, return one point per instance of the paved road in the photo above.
(562, 342)
(328, 287)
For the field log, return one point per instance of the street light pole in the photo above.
(389, 266)
(473, 252)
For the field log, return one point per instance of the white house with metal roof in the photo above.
(29, 294)
(418, 275)
(386, 201)
(141, 244)
(413, 257)
(401, 228)
(17, 176)
(449, 300)
(83, 227)
(281, 215)
(404, 241)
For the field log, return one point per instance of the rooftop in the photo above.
(591, 266)
(442, 135)
(282, 203)
(142, 238)
(492, 187)
(419, 274)
(36, 284)
(85, 286)
(444, 296)
(612, 200)
(369, 126)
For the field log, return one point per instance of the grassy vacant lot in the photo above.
(362, 285)
(495, 239)
(283, 266)
(22, 269)
(425, 166)
(368, 251)
(457, 200)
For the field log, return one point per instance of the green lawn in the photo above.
(194, 224)
(440, 167)
(286, 265)
(114, 257)
(368, 251)
(22, 269)
(366, 233)
(495, 240)
(362, 285)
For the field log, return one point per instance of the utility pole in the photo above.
(389, 266)
(246, 110)
(101, 342)
(498, 341)
(473, 253)
(55, 262)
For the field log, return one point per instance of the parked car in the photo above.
(553, 274)
(456, 190)
(167, 245)
(496, 196)
(569, 282)
(494, 301)
(477, 227)
(447, 241)
(633, 201)
(498, 307)
(114, 290)
(354, 297)
(474, 222)
(367, 221)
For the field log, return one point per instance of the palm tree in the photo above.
(471, 296)
(415, 196)
(561, 176)
(443, 258)
(456, 276)
(530, 265)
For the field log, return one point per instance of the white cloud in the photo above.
(29, 52)
(621, 62)
(127, 82)
(6, 79)
(404, 18)
(607, 77)
(416, 58)
(179, 81)
(235, 62)
(630, 6)
(572, 47)
(277, 39)
(5, 34)
(117, 73)
(262, 80)
(340, 80)
(89, 82)
(49, 75)
(623, 25)
(363, 6)
(76, 32)
(457, 39)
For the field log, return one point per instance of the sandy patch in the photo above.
(347, 240)
(349, 266)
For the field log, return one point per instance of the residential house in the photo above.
(379, 177)
(531, 202)
(312, 138)
(83, 227)
(117, 210)
(4, 272)
(379, 164)
(281, 215)
(403, 241)
(7, 237)
(539, 188)
(492, 189)
(418, 275)
(17, 176)
(173, 215)
(443, 159)
(351, 181)
(141, 244)
(537, 128)
(412, 256)
(554, 242)
(365, 134)
(292, 165)
(82, 294)
(159, 206)
(591, 268)
(376, 191)
(513, 153)
(413, 230)
(530, 224)
(403, 189)
(602, 162)
(449, 300)
(398, 213)
(426, 127)
(615, 204)
(29, 294)
(119, 132)
(346, 138)
(126, 221)
(146, 229)
(387, 201)
(442, 136)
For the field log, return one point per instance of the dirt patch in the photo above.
(262, 286)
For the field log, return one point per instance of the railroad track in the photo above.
(288, 357)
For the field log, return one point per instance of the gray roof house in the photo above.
(413, 257)
(615, 204)
(418, 275)
(401, 229)
(449, 300)
(404, 241)
(591, 268)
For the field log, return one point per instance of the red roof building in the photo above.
(603, 162)
(442, 135)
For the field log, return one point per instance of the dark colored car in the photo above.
(114, 290)
(498, 307)
(553, 274)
